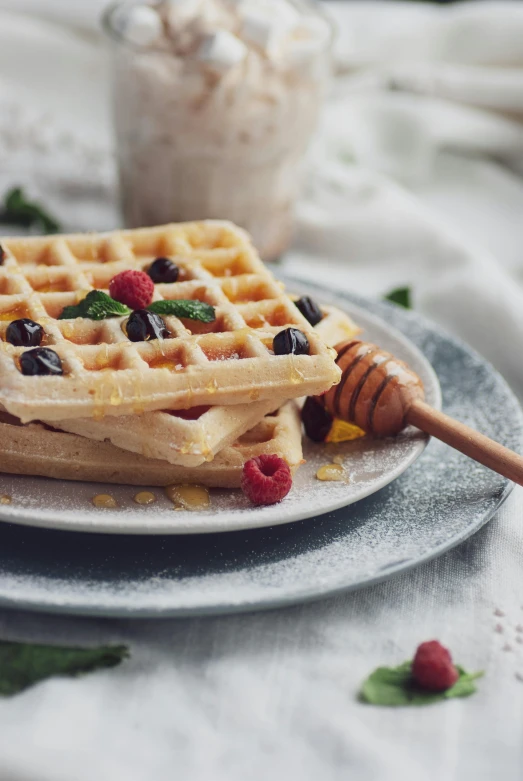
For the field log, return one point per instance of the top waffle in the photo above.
(191, 437)
(228, 361)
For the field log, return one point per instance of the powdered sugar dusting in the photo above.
(440, 500)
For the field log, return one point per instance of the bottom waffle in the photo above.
(36, 449)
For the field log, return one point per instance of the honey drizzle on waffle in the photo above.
(217, 264)
(191, 439)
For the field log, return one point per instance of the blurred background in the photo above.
(414, 176)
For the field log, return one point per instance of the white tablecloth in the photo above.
(274, 695)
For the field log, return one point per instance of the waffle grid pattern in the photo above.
(191, 441)
(228, 361)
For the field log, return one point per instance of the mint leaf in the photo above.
(97, 305)
(22, 665)
(18, 210)
(394, 686)
(400, 296)
(182, 307)
(69, 313)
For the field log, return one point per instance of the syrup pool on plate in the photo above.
(189, 497)
(331, 473)
(144, 497)
(104, 501)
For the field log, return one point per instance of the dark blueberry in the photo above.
(316, 420)
(40, 361)
(163, 270)
(309, 309)
(291, 341)
(2, 254)
(143, 325)
(24, 333)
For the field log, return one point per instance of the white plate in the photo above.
(370, 465)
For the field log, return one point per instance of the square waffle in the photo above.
(35, 449)
(189, 438)
(229, 361)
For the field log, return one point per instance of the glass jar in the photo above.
(200, 138)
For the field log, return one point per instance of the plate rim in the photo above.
(291, 599)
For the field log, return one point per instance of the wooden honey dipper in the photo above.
(381, 395)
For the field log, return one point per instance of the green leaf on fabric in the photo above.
(22, 665)
(400, 296)
(18, 210)
(394, 686)
(182, 307)
(97, 305)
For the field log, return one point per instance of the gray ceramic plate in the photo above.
(438, 502)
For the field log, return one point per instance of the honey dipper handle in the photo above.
(473, 444)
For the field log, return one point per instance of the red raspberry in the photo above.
(133, 288)
(266, 479)
(432, 667)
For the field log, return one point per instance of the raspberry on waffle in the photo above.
(226, 362)
(190, 438)
(36, 449)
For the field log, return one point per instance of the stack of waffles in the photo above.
(190, 408)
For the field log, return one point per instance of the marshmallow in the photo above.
(222, 50)
(266, 23)
(141, 25)
(258, 29)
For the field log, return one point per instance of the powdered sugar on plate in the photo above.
(437, 503)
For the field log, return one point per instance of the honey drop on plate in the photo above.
(189, 497)
(105, 501)
(331, 473)
(145, 497)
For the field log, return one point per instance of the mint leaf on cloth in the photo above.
(18, 210)
(97, 305)
(22, 665)
(400, 296)
(394, 686)
(182, 307)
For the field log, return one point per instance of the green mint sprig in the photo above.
(183, 307)
(400, 296)
(23, 664)
(97, 305)
(394, 686)
(19, 210)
